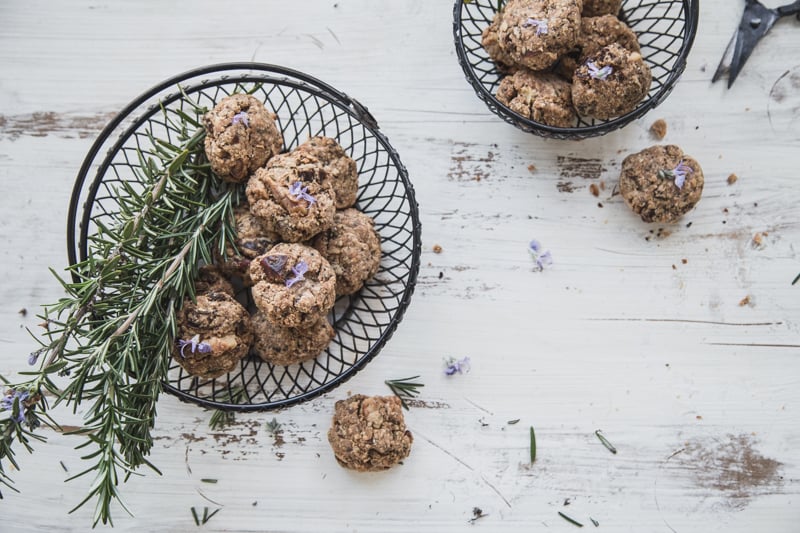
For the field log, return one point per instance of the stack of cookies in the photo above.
(300, 243)
(563, 58)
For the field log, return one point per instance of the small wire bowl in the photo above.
(666, 30)
(305, 106)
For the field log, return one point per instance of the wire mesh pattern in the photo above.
(305, 107)
(665, 28)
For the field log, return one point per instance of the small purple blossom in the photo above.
(242, 117)
(456, 366)
(540, 25)
(298, 192)
(599, 73)
(196, 345)
(18, 398)
(299, 271)
(679, 173)
(542, 257)
(34, 356)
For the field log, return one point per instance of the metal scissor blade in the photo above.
(756, 21)
(725, 63)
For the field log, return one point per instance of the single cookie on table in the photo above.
(610, 83)
(661, 183)
(598, 8)
(214, 334)
(535, 33)
(597, 33)
(292, 197)
(352, 247)
(211, 278)
(287, 346)
(252, 240)
(340, 168)
(369, 433)
(540, 96)
(294, 286)
(241, 136)
(490, 41)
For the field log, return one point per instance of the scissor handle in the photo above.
(789, 9)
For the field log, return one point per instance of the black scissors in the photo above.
(756, 21)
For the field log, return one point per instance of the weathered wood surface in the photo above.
(638, 330)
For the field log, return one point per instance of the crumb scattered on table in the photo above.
(684, 261)
(531, 168)
(23, 312)
(744, 301)
(594, 190)
(437, 249)
(733, 178)
(659, 129)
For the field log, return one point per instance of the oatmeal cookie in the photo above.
(212, 279)
(535, 33)
(352, 247)
(287, 346)
(340, 168)
(252, 240)
(661, 183)
(598, 8)
(491, 43)
(610, 83)
(597, 33)
(368, 433)
(539, 96)
(294, 285)
(213, 335)
(292, 197)
(241, 136)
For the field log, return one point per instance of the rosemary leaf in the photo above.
(570, 520)
(610, 447)
(533, 445)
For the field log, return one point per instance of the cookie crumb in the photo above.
(684, 261)
(437, 249)
(441, 275)
(23, 312)
(531, 168)
(733, 178)
(758, 239)
(744, 301)
(594, 190)
(659, 129)
(602, 185)
(674, 267)
(599, 204)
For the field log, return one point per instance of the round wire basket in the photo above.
(666, 31)
(305, 107)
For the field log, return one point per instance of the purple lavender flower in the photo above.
(18, 398)
(599, 73)
(542, 257)
(540, 25)
(34, 356)
(242, 117)
(679, 173)
(196, 345)
(299, 272)
(453, 366)
(298, 192)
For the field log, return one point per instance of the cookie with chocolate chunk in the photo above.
(287, 346)
(241, 136)
(252, 240)
(368, 433)
(539, 96)
(294, 286)
(340, 169)
(597, 33)
(213, 335)
(661, 183)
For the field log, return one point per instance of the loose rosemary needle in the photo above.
(404, 388)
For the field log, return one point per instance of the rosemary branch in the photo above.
(113, 332)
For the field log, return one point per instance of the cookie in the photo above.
(213, 335)
(212, 279)
(490, 41)
(597, 33)
(352, 247)
(252, 240)
(369, 433)
(287, 346)
(294, 286)
(241, 136)
(598, 8)
(610, 83)
(292, 197)
(539, 96)
(661, 183)
(535, 33)
(339, 168)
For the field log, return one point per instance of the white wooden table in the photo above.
(635, 330)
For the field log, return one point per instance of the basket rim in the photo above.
(692, 9)
(76, 248)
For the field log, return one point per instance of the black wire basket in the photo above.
(305, 107)
(666, 31)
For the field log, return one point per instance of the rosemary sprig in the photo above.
(221, 418)
(206, 516)
(404, 388)
(610, 447)
(113, 331)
